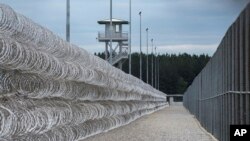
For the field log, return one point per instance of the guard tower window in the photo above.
(117, 28)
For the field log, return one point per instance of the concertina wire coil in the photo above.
(51, 90)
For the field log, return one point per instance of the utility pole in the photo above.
(147, 54)
(155, 69)
(130, 11)
(152, 65)
(68, 21)
(111, 30)
(140, 49)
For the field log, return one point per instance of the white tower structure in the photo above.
(120, 51)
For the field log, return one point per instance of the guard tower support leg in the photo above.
(120, 65)
(106, 50)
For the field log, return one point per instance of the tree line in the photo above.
(176, 72)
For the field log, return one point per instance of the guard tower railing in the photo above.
(102, 36)
(219, 95)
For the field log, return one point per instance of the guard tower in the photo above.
(120, 52)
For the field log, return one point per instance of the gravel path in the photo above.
(169, 124)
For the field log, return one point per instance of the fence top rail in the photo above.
(228, 92)
(175, 95)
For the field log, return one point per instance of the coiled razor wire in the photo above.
(51, 90)
(36, 86)
(14, 55)
(58, 112)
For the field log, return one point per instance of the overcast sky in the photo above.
(177, 26)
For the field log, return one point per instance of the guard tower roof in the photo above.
(107, 21)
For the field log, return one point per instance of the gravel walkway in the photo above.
(169, 124)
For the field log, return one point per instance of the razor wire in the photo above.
(31, 116)
(86, 129)
(87, 66)
(51, 90)
(37, 86)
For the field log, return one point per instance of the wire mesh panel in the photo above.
(222, 92)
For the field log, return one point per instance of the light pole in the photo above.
(130, 11)
(68, 21)
(147, 54)
(140, 49)
(155, 68)
(152, 65)
(111, 24)
(158, 71)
